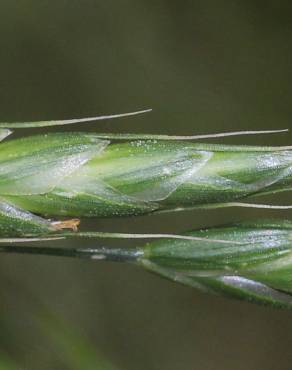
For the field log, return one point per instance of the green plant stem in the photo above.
(102, 253)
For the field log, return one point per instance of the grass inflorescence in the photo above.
(79, 174)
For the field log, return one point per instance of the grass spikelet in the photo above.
(82, 175)
(249, 261)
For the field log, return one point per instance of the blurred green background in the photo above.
(203, 66)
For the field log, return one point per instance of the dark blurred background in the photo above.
(203, 66)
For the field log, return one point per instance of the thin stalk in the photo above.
(106, 235)
(102, 253)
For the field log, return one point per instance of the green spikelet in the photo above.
(81, 175)
(247, 261)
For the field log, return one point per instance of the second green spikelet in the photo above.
(249, 260)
